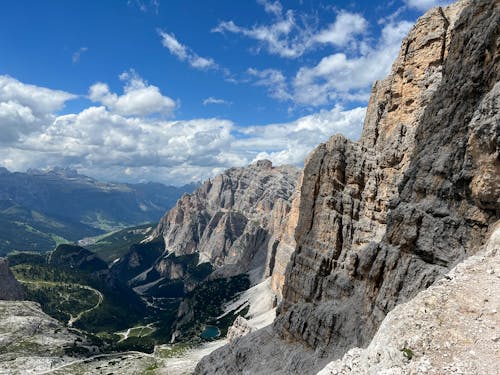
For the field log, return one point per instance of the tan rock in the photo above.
(381, 219)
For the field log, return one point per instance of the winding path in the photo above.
(72, 319)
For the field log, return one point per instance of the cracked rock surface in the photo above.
(382, 219)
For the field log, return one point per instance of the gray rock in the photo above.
(228, 219)
(452, 327)
(10, 289)
(384, 218)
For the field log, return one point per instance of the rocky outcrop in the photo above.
(30, 340)
(282, 244)
(240, 328)
(229, 220)
(10, 289)
(452, 327)
(381, 219)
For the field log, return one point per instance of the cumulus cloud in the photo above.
(104, 143)
(184, 53)
(426, 4)
(212, 100)
(138, 99)
(343, 30)
(290, 143)
(40, 100)
(26, 108)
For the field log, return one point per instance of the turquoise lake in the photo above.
(210, 332)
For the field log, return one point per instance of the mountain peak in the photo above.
(263, 163)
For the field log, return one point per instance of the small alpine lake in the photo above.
(210, 332)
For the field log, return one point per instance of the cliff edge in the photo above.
(381, 219)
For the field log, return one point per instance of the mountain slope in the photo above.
(10, 289)
(213, 244)
(227, 222)
(449, 328)
(38, 209)
(383, 218)
(225, 218)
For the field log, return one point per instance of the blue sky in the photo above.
(175, 91)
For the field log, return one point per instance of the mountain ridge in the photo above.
(41, 209)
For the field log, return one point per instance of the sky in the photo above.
(177, 91)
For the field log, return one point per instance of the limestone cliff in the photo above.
(383, 218)
(10, 289)
(229, 220)
(452, 327)
(282, 243)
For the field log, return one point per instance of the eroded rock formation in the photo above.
(383, 218)
(10, 289)
(229, 220)
(452, 327)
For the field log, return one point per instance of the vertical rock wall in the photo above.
(229, 220)
(383, 218)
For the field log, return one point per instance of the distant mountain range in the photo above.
(39, 209)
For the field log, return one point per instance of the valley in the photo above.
(42, 209)
(77, 288)
(123, 294)
(377, 256)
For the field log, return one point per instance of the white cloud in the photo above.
(26, 108)
(426, 4)
(40, 100)
(274, 80)
(173, 45)
(272, 7)
(343, 30)
(290, 37)
(338, 76)
(290, 143)
(275, 37)
(212, 100)
(139, 98)
(77, 54)
(346, 74)
(184, 53)
(106, 144)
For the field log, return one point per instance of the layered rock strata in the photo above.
(383, 218)
(229, 220)
(282, 244)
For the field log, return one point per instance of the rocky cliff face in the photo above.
(449, 328)
(282, 244)
(383, 218)
(229, 220)
(10, 289)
